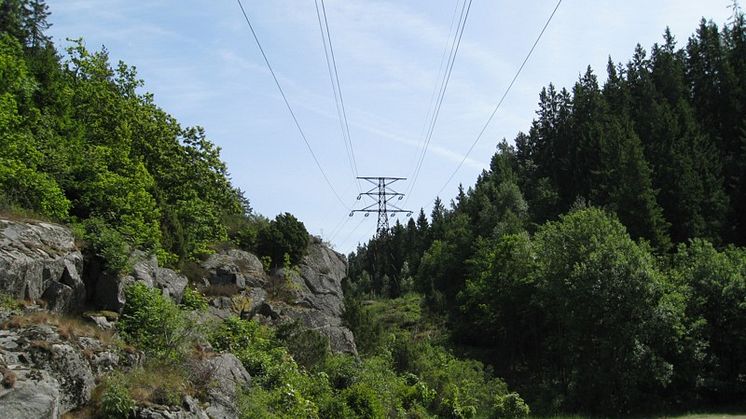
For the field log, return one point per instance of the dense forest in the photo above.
(596, 265)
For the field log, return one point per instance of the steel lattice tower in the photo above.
(382, 194)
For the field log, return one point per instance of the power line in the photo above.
(431, 104)
(465, 8)
(339, 227)
(484, 128)
(347, 237)
(331, 64)
(287, 104)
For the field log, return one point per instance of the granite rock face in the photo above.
(35, 395)
(234, 267)
(109, 288)
(40, 261)
(316, 297)
(228, 376)
(310, 293)
(54, 361)
(55, 370)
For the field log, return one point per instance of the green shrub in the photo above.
(342, 370)
(285, 402)
(154, 323)
(364, 401)
(509, 406)
(236, 335)
(193, 300)
(308, 347)
(284, 235)
(417, 393)
(108, 245)
(335, 408)
(31, 189)
(7, 301)
(116, 401)
(266, 263)
(244, 231)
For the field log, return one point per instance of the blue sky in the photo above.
(199, 60)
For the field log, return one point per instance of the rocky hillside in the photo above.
(311, 293)
(59, 314)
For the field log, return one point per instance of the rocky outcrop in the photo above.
(250, 300)
(234, 267)
(109, 288)
(52, 363)
(36, 394)
(40, 261)
(340, 337)
(320, 280)
(191, 409)
(228, 377)
(310, 293)
(316, 297)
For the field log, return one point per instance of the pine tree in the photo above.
(35, 23)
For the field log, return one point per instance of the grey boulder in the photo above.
(36, 394)
(109, 288)
(234, 267)
(39, 260)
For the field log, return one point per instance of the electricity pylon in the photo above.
(382, 194)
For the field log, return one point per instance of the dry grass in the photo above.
(221, 290)
(240, 305)
(107, 314)
(41, 344)
(201, 374)
(85, 412)
(88, 353)
(69, 328)
(160, 384)
(22, 215)
(193, 271)
(9, 378)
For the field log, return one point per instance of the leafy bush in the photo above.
(116, 401)
(108, 245)
(236, 335)
(715, 285)
(193, 300)
(363, 401)
(154, 323)
(244, 231)
(308, 347)
(284, 235)
(32, 190)
(583, 305)
(510, 406)
(342, 370)
(7, 301)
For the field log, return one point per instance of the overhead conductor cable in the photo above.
(290, 109)
(331, 64)
(510, 86)
(465, 8)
